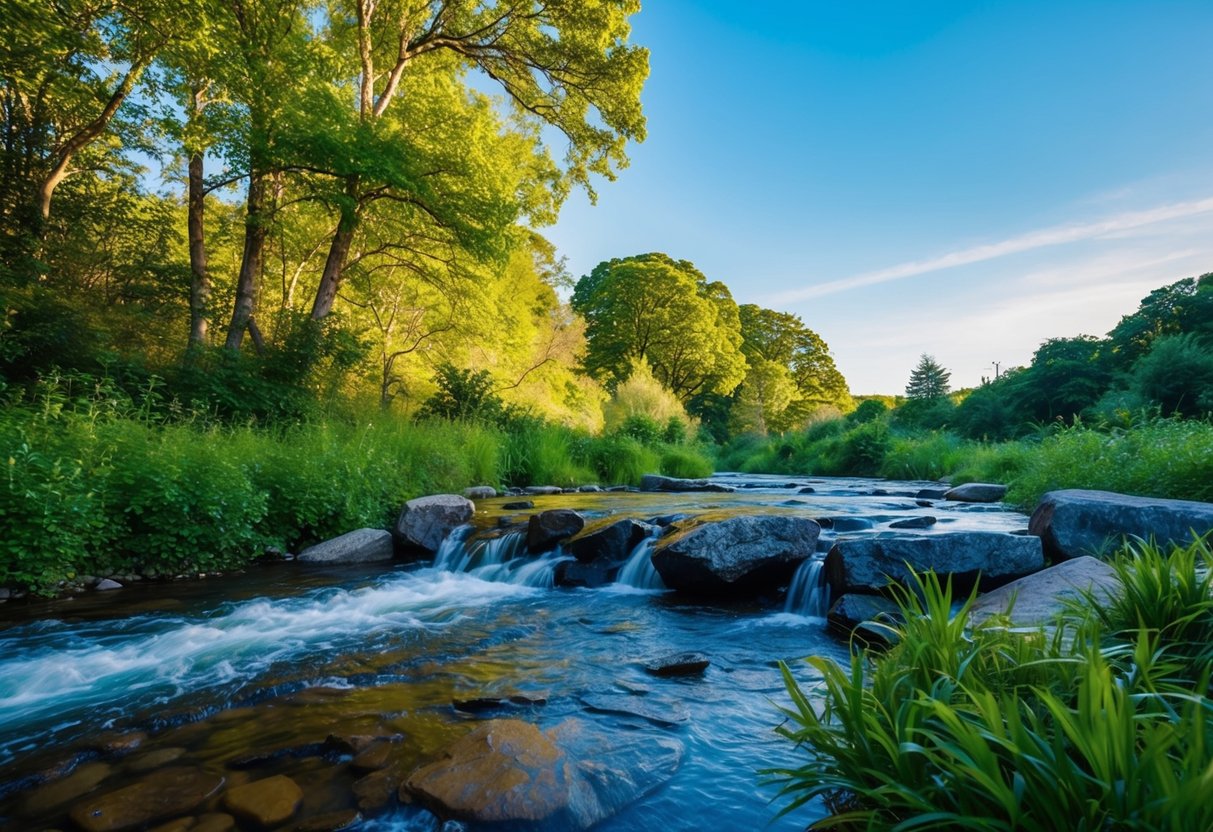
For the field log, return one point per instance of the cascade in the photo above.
(639, 571)
(808, 594)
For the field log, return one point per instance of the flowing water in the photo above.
(251, 673)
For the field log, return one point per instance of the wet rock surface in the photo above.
(744, 554)
(358, 546)
(1075, 522)
(612, 542)
(159, 796)
(655, 482)
(548, 528)
(868, 564)
(426, 521)
(265, 803)
(509, 771)
(678, 664)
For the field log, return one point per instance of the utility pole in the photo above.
(997, 371)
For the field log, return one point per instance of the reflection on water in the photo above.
(250, 676)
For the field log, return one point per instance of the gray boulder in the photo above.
(480, 492)
(869, 564)
(976, 492)
(547, 528)
(745, 554)
(543, 490)
(1075, 522)
(358, 546)
(611, 542)
(924, 521)
(656, 482)
(849, 611)
(1040, 598)
(107, 584)
(426, 521)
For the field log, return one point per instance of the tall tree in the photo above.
(665, 311)
(563, 64)
(928, 380)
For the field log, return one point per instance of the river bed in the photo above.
(247, 676)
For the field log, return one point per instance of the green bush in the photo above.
(685, 462)
(994, 728)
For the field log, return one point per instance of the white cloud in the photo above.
(1057, 235)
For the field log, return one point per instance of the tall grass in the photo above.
(1096, 726)
(96, 484)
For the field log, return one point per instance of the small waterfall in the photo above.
(639, 571)
(498, 558)
(808, 594)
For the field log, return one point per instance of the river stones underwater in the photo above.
(159, 796)
(568, 777)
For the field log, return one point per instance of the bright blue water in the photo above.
(340, 651)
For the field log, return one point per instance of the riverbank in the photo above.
(95, 490)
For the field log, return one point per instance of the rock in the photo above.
(638, 706)
(519, 505)
(679, 664)
(118, 744)
(590, 489)
(372, 758)
(426, 521)
(1040, 598)
(265, 803)
(924, 504)
(849, 611)
(543, 490)
(375, 792)
(667, 520)
(214, 822)
(485, 704)
(867, 564)
(568, 778)
(81, 781)
(548, 528)
(656, 482)
(106, 584)
(976, 492)
(358, 546)
(160, 796)
(480, 492)
(808, 489)
(846, 524)
(591, 575)
(331, 822)
(1075, 522)
(931, 493)
(151, 760)
(611, 543)
(922, 522)
(5, 593)
(744, 554)
(178, 825)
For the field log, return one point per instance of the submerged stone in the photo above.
(162, 795)
(265, 803)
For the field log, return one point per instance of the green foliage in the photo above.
(928, 380)
(642, 396)
(641, 428)
(652, 308)
(685, 462)
(1176, 375)
(992, 728)
(867, 410)
(463, 395)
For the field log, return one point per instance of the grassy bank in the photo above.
(99, 486)
(1105, 724)
(1158, 458)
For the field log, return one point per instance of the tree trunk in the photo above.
(339, 249)
(247, 284)
(200, 282)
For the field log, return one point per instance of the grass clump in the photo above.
(1105, 723)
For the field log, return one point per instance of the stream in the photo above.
(249, 675)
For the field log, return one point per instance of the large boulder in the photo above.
(358, 546)
(869, 564)
(656, 482)
(1075, 522)
(611, 542)
(426, 521)
(744, 554)
(567, 778)
(976, 492)
(547, 528)
(1040, 598)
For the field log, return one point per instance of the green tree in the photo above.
(1177, 375)
(1183, 306)
(928, 380)
(666, 312)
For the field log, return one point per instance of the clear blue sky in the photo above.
(961, 179)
